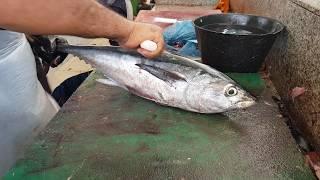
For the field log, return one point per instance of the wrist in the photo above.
(125, 32)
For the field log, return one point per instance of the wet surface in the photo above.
(105, 133)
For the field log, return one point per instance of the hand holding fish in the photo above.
(140, 32)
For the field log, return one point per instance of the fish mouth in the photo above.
(246, 102)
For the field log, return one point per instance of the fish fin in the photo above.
(109, 82)
(167, 76)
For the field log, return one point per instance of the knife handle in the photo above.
(149, 45)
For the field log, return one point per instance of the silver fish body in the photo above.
(168, 80)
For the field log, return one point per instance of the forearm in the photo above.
(85, 18)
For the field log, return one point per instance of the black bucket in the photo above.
(236, 42)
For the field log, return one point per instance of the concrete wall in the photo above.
(294, 60)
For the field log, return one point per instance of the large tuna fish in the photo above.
(168, 80)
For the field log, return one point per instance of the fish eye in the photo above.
(231, 91)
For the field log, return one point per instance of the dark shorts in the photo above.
(63, 92)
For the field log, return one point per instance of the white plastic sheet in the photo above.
(25, 108)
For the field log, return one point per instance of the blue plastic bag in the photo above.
(181, 39)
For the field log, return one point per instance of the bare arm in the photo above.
(85, 18)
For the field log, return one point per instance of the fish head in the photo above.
(221, 95)
(237, 97)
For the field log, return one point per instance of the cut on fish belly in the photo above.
(169, 80)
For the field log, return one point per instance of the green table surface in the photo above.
(104, 132)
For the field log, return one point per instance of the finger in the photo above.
(149, 54)
(160, 45)
(146, 53)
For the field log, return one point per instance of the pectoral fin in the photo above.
(107, 82)
(167, 76)
(110, 82)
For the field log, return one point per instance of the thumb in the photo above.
(145, 53)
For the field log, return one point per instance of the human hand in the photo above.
(140, 32)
